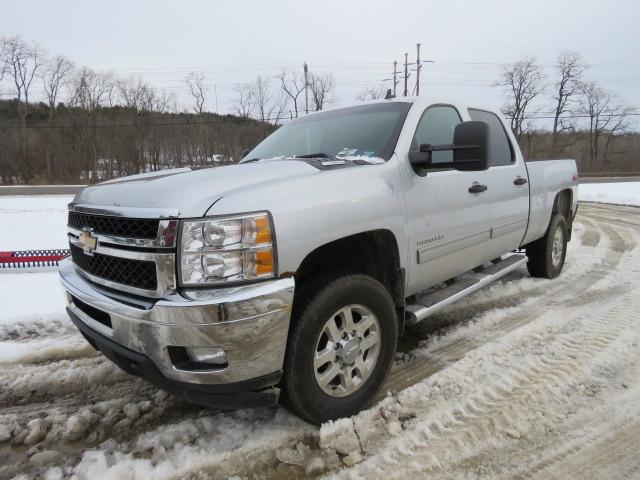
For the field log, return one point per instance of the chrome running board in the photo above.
(433, 301)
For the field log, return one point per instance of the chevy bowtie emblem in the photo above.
(87, 241)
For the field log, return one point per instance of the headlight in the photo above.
(226, 249)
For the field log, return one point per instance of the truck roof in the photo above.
(424, 100)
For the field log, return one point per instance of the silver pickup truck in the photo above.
(296, 270)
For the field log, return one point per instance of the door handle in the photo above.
(520, 181)
(477, 188)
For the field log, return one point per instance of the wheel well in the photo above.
(374, 253)
(562, 204)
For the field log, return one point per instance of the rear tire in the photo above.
(546, 256)
(349, 322)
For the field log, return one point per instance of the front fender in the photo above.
(311, 212)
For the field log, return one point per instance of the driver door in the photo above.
(449, 226)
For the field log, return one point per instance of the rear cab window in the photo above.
(500, 150)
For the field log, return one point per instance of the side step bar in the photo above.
(434, 301)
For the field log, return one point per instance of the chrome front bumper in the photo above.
(249, 322)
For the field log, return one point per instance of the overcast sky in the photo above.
(358, 41)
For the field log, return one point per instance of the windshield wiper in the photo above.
(360, 160)
(314, 155)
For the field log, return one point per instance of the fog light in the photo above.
(210, 355)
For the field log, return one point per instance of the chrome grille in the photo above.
(126, 271)
(134, 248)
(115, 226)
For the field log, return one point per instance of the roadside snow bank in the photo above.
(621, 193)
(33, 222)
(30, 296)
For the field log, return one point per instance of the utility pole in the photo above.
(306, 88)
(395, 79)
(406, 72)
(418, 67)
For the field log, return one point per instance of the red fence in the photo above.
(32, 258)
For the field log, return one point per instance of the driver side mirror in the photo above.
(470, 142)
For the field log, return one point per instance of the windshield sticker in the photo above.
(333, 162)
(345, 152)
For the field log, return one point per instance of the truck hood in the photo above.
(190, 192)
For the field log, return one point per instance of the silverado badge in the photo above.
(87, 241)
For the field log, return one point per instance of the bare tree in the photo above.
(56, 75)
(269, 106)
(263, 98)
(523, 83)
(197, 89)
(372, 93)
(165, 102)
(244, 100)
(322, 86)
(280, 105)
(3, 63)
(606, 117)
(23, 62)
(292, 84)
(569, 68)
(136, 94)
(91, 89)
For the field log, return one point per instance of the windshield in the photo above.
(367, 131)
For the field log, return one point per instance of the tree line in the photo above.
(587, 121)
(92, 125)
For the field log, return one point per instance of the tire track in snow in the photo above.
(565, 291)
(592, 455)
(23, 384)
(45, 350)
(494, 410)
(29, 330)
(591, 236)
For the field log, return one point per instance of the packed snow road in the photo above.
(528, 378)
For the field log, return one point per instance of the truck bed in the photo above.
(546, 179)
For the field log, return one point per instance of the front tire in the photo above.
(546, 256)
(341, 347)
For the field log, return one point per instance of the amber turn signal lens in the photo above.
(264, 262)
(263, 230)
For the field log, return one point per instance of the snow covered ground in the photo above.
(33, 222)
(527, 378)
(621, 193)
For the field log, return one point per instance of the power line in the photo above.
(257, 119)
(145, 125)
(569, 117)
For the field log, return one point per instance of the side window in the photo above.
(500, 151)
(436, 127)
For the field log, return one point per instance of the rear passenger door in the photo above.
(507, 186)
